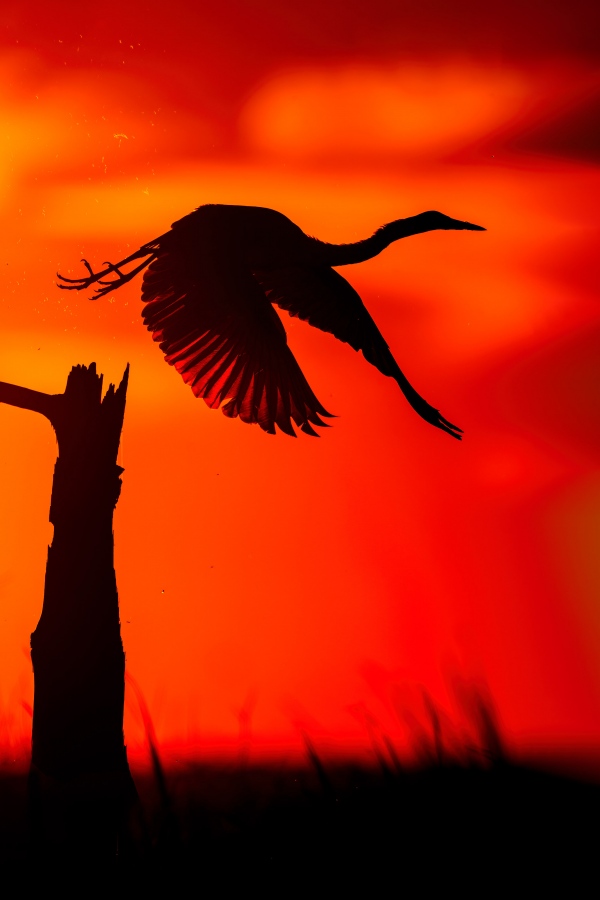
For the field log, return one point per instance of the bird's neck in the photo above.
(347, 254)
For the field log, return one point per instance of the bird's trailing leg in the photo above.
(80, 284)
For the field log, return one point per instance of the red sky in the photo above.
(301, 578)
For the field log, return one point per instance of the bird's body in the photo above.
(208, 291)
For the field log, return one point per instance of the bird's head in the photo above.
(426, 221)
(432, 220)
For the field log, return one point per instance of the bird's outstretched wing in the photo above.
(323, 298)
(217, 328)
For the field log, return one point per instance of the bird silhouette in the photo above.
(208, 294)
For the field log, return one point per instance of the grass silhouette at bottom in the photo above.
(229, 829)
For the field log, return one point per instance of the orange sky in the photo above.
(300, 578)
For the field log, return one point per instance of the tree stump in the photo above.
(80, 786)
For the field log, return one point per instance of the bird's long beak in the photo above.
(468, 226)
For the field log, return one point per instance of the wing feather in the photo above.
(215, 325)
(322, 297)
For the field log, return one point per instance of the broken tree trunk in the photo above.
(80, 783)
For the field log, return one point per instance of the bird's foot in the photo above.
(80, 284)
(108, 284)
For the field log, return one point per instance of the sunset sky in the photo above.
(329, 585)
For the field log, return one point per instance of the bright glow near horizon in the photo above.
(284, 573)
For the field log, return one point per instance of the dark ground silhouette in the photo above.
(328, 827)
(209, 289)
(472, 828)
